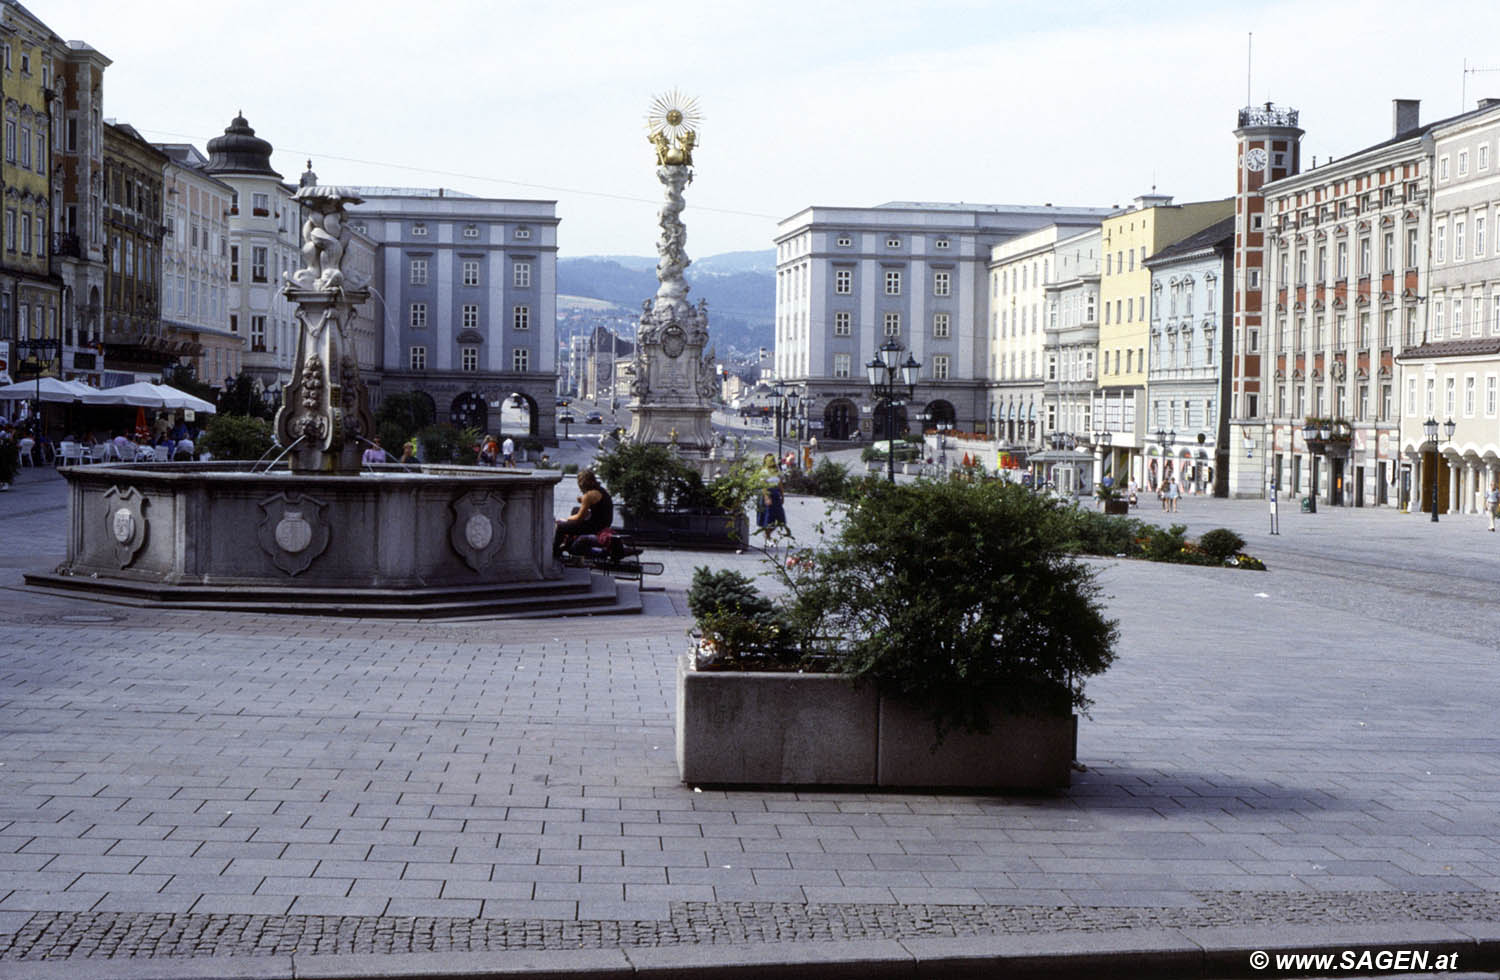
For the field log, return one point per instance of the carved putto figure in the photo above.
(325, 237)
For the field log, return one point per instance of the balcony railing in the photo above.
(1267, 115)
(67, 245)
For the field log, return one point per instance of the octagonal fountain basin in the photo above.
(440, 541)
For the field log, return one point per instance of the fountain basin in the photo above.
(439, 540)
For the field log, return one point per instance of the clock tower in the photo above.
(1267, 148)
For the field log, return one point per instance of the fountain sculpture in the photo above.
(325, 535)
(675, 377)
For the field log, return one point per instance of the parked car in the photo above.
(566, 418)
(594, 418)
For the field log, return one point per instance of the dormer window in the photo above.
(940, 243)
(523, 232)
(471, 231)
(845, 241)
(893, 242)
(419, 229)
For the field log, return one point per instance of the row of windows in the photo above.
(1022, 276)
(468, 358)
(520, 273)
(1301, 407)
(1134, 360)
(939, 366)
(1294, 336)
(25, 233)
(1364, 256)
(419, 230)
(843, 282)
(942, 325)
(1450, 396)
(520, 316)
(1461, 162)
(18, 148)
(1188, 414)
(891, 241)
(1471, 315)
(1465, 246)
(1125, 310)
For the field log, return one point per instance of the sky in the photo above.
(804, 102)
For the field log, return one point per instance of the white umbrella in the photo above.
(149, 395)
(47, 389)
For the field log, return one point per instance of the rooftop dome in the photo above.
(239, 151)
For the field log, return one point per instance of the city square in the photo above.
(262, 793)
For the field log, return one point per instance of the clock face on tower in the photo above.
(1256, 159)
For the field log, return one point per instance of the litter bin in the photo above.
(1309, 505)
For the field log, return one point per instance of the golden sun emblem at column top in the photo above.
(672, 127)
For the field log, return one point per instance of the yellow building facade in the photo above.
(30, 308)
(1129, 238)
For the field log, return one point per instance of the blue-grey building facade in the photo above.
(466, 295)
(849, 279)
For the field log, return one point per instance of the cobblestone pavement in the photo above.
(1313, 744)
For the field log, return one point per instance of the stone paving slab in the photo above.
(1310, 745)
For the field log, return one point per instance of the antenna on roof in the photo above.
(1249, 63)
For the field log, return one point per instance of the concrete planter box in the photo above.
(764, 728)
(708, 529)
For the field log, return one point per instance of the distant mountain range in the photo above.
(740, 288)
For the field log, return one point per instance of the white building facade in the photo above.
(265, 227)
(1071, 340)
(851, 279)
(195, 263)
(1453, 373)
(1187, 378)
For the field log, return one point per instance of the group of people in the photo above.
(492, 453)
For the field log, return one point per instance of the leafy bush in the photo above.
(742, 629)
(1220, 543)
(447, 443)
(570, 468)
(1165, 544)
(236, 437)
(1091, 532)
(402, 414)
(827, 479)
(905, 453)
(959, 598)
(242, 397)
(649, 479)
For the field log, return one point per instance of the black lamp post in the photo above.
(1165, 438)
(786, 407)
(1102, 439)
(1316, 435)
(891, 379)
(1430, 429)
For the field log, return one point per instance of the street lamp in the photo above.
(786, 406)
(888, 376)
(1316, 435)
(1430, 428)
(1164, 439)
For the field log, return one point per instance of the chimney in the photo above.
(1488, 103)
(1405, 114)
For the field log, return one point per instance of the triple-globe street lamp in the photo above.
(1165, 438)
(892, 379)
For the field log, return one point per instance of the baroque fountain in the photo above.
(324, 534)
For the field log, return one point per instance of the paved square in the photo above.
(1312, 745)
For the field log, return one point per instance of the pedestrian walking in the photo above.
(1492, 504)
(1172, 494)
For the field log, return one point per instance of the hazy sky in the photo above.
(805, 102)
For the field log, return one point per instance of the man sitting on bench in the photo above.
(594, 513)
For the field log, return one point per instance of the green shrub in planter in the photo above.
(827, 479)
(649, 479)
(570, 468)
(960, 599)
(1220, 544)
(1090, 532)
(447, 443)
